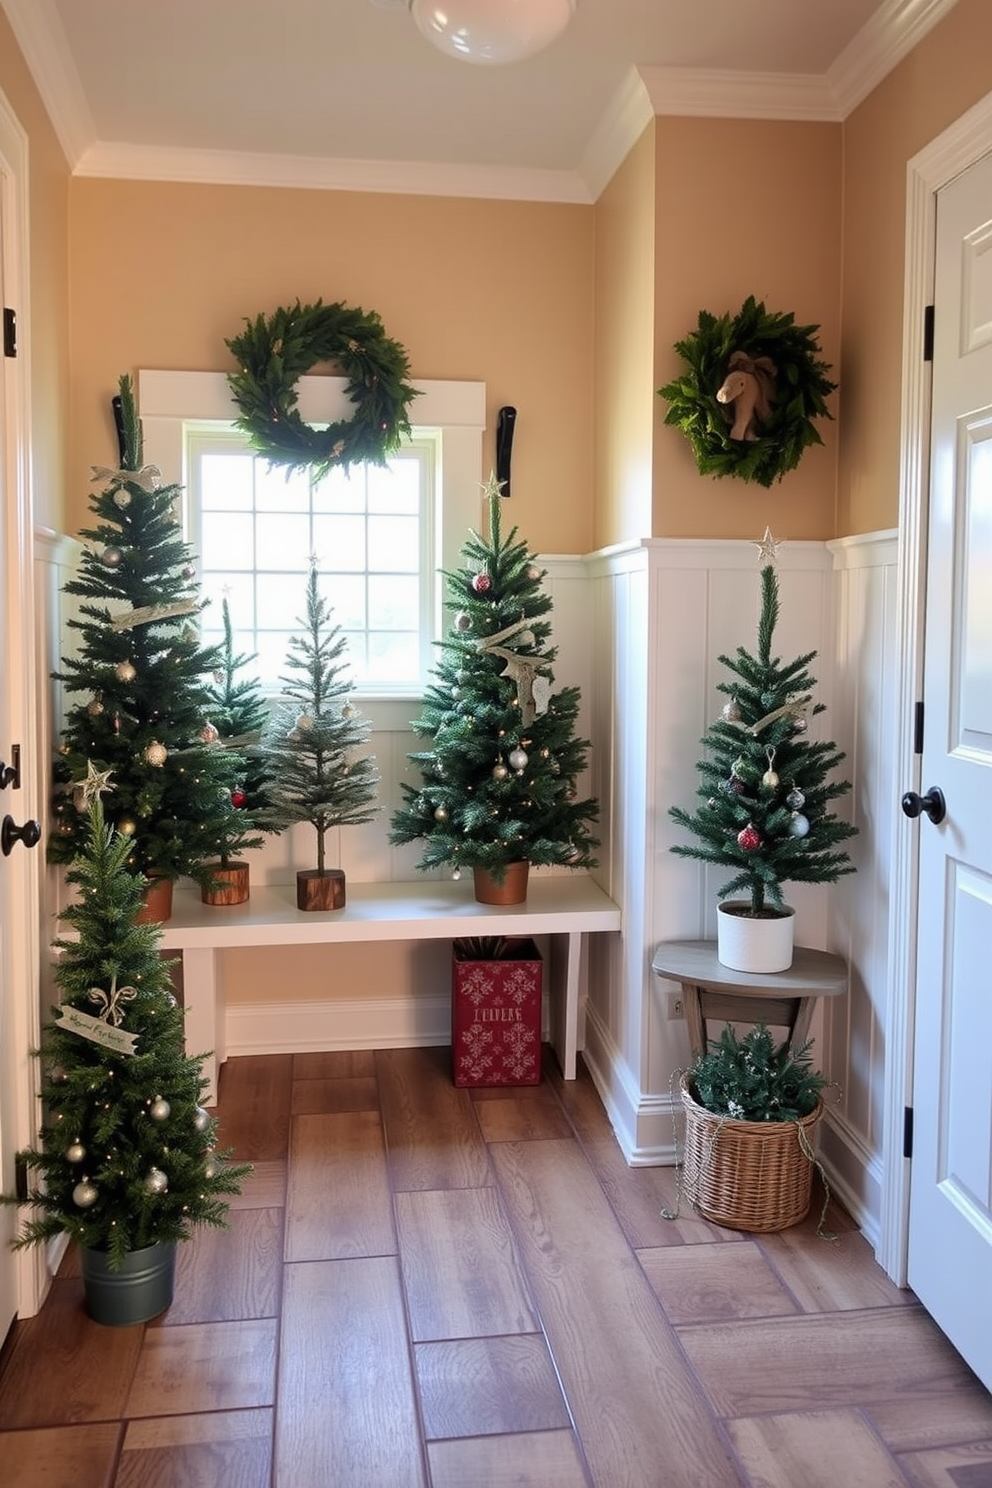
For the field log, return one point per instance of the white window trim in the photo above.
(167, 400)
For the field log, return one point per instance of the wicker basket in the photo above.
(747, 1175)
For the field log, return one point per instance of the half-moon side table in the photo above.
(782, 998)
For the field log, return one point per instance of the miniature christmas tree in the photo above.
(238, 712)
(764, 794)
(127, 1153)
(141, 668)
(310, 749)
(498, 782)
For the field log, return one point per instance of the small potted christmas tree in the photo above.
(238, 714)
(498, 789)
(141, 672)
(127, 1154)
(764, 796)
(311, 749)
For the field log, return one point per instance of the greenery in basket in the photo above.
(754, 1079)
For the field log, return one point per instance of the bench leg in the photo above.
(566, 984)
(204, 1003)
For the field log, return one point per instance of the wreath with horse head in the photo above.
(274, 352)
(749, 392)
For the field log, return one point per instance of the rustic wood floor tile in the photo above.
(964, 1415)
(710, 1282)
(950, 1467)
(812, 1360)
(253, 1105)
(338, 1201)
(819, 1449)
(522, 1119)
(226, 1449)
(349, 1093)
(204, 1367)
(334, 1064)
(831, 1275)
(64, 1368)
(459, 1265)
(432, 1134)
(541, 1459)
(486, 1386)
(60, 1457)
(346, 1412)
(222, 1275)
(615, 1353)
(264, 1187)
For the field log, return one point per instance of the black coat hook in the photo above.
(504, 447)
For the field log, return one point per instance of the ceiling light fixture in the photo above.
(491, 31)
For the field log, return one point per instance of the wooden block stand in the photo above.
(496, 1013)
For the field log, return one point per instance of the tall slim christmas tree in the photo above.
(239, 713)
(127, 1154)
(141, 670)
(313, 749)
(499, 778)
(764, 793)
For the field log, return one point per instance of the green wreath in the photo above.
(793, 387)
(274, 353)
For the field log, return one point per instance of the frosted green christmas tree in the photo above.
(765, 792)
(239, 712)
(499, 778)
(127, 1154)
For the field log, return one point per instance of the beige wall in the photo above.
(745, 207)
(44, 329)
(949, 71)
(496, 291)
(625, 337)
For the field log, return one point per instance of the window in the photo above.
(370, 532)
(380, 536)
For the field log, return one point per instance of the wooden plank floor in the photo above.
(426, 1287)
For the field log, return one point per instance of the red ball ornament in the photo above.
(748, 838)
(238, 797)
(482, 583)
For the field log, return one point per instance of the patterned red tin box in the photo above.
(496, 1012)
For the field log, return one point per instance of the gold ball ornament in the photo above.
(75, 1152)
(85, 1194)
(209, 733)
(156, 754)
(159, 1110)
(94, 707)
(125, 672)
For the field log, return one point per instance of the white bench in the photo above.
(564, 908)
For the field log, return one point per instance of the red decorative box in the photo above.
(496, 1012)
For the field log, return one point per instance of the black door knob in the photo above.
(932, 803)
(10, 832)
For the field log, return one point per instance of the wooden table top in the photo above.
(812, 973)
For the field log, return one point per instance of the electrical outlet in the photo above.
(676, 1007)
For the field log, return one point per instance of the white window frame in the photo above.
(167, 401)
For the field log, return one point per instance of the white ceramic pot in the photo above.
(757, 945)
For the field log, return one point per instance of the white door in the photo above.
(950, 1226)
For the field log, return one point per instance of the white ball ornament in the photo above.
(518, 759)
(85, 1194)
(159, 1110)
(156, 1181)
(122, 498)
(156, 754)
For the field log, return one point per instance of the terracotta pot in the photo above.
(513, 889)
(757, 945)
(228, 885)
(315, 890)
(157, 907)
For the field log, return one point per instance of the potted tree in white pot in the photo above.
(127, 1156)
(764, 797)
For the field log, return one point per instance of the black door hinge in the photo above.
(918, 728)
(9, 332)
(907, 1131)
(928, 334)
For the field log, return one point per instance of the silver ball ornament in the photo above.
(156, 1181)
(795, 800)
(500, 772)
(122, 498)
(463, 621)
(85, 1194)
(211, 1167)
(189, 571)
(75, 1152)
(159, 1110)
(111, 557)
(201, 1119)
(731, 711)
(440, 813)
(800, 724)
(518, 759)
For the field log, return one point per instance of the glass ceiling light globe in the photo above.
(491, 31)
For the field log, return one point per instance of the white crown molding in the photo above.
(879, 46)
(628, 114)
(42, 39)
(314, 173)
(721, 93)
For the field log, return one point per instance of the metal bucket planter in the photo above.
(140, 1290)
